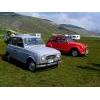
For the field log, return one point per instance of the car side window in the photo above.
(14, 41)
(60, 40)
(17, 42)
(20, 42)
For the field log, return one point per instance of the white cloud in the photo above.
(85, 21)
(36, 15)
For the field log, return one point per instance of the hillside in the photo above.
(21, 23)
(74, 29)
(26, 24)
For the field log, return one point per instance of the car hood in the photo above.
(42, 50)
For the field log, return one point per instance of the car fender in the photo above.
(32, 58)
(75, 47)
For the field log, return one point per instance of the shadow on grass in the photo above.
(47, 68)
(23, 66)
(92, 66)
(69, 55)
(14, 62)
(96, 65)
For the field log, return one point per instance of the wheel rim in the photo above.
(32, 66)
(74, 53)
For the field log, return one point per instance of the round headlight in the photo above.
(43, 58)
(82, 47)
(58, 56)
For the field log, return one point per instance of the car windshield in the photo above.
(69, 39)
(33, 41)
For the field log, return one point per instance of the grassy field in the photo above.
(73, 71)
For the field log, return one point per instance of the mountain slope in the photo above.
(74, 29)
(27, 24)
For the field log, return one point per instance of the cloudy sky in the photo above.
(90, 20)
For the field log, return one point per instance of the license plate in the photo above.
(50, 61)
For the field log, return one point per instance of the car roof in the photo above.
(25, 36)
(59, 36)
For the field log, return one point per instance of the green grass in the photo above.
(73, 71)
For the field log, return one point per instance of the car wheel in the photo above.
(8, 57)
(32, 66)
(74, 53)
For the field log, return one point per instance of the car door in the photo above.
(20, 50)
(12, 47)
(62, 44)
(53, 43)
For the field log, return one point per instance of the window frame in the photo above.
(61, 40)
(16, 43)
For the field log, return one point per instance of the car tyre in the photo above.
(74, 52)
(8, 58)
(32, 66)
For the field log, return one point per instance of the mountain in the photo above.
(70, 26)
(28, 24)
(74, 29)
(8, 14)
(95, 32)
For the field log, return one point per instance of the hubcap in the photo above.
(32, 66)
(74, 53)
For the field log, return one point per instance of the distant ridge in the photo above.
(75, 29)
(28, 24)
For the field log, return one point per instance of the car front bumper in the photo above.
(85, 52)
(48, 64)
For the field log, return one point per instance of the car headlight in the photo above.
(58, 56)
(43, 58)
(82, 47)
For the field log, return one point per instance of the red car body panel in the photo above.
(66, 47)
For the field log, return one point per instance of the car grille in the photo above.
(51, 57)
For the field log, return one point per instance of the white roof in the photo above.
(25, 36)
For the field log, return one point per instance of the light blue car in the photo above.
(32, 51)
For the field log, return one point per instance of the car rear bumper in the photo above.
(48, 64)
